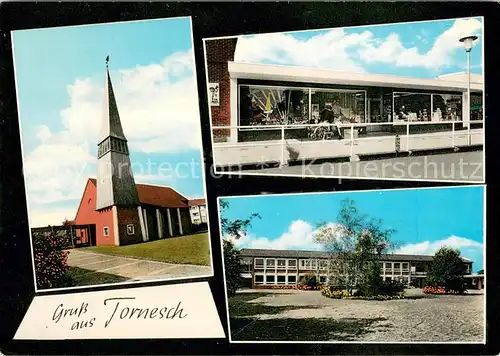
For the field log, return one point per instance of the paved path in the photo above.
(133, 268)
(463, 166)
(426, 319)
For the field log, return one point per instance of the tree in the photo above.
(232, 229)
(356, 244)
(447, 270)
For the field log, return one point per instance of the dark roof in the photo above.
(250, 252)
(197, 202)
(158, 196)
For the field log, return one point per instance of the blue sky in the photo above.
(417, 49)
(60, 76)
(424, 219)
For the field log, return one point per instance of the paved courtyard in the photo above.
(132, 268)
(462, 166)
(307, 315)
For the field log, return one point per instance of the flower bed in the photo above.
(438, 290)
(299, 287)
(330, 292)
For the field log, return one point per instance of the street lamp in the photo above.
(468, 41)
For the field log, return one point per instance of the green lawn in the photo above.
(189, 249)
(85, 277)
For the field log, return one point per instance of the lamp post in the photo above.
(468, 42)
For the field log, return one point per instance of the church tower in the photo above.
(116, 190)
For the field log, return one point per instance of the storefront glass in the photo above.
(265, 105)
(446, 107)
(273, 105)
(412, 107)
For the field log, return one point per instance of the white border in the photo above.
(244, 173)
(358, 341)
(202, 158)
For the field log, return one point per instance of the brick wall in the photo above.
(218, 53)
(129, 216)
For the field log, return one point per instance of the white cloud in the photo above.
(333, 48)
(466, 246)
(158, 107)
(326, 50)
(42, 217)
(392, 51)
(299, 236)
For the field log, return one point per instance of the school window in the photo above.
(388, 266)
(281, 263)
(323, 264)
(259, 279)
(106, 231)
(292, 263)
(259, 263)
(314, 264)
(292, 279)
(130, 229)
(270, 263)
(405, 266)
(270, 279)
(281, 279)
(322, 279)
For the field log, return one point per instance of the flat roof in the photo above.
(241, 70)
(252, 252)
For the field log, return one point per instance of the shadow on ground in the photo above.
(239, 305)
(291, 329)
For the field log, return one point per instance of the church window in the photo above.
(106, 231)
(130, 229)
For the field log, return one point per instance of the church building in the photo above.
(120, 211)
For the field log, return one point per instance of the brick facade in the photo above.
(128, 216)
(218, 54)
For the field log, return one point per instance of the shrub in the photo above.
(232, 266)
(392, 288)
(332, 292)
(50, 260)
(309, 280)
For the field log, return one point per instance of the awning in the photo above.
(476, 107)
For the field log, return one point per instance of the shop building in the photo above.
(262, 268)
(274, 113)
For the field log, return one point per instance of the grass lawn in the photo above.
(85, 277)
(189, 249)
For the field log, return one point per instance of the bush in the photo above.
(310, 280)
(50, 260)
(232, 266)
(332, 292)
(392, 288)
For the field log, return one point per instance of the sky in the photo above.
(424, 219)
(417, 49)
(60, 77)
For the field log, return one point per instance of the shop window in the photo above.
(446, 107)
(259, 279)
(343, 105)
(476, 106)
(412, 107)
(292, 279)
(266, 105)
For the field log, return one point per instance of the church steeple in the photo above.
(111, 124)
(115, 180)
